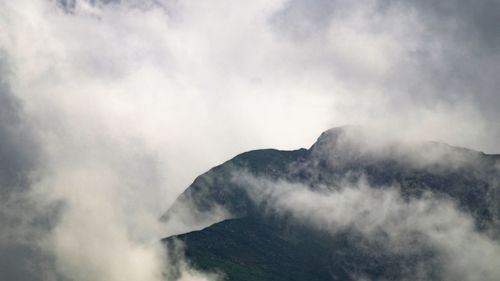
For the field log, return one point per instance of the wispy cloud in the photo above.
(110, 108)
(383, 216)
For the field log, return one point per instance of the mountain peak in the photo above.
(333, 135)
(353, 172)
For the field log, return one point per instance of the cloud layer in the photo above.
(382, 216)
(108, 109)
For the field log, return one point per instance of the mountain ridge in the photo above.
(339, 159)
(274, 163)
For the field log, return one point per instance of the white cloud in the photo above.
(129, 101)
(467, 254)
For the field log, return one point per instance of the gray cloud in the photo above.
(25, 222)
(444, 54)
(17, 149)
(115, 106)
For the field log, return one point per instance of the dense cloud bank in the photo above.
(108, 109)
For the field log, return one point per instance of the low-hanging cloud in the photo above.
(110, 108)
(381, 214)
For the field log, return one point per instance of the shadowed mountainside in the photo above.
(260, 244)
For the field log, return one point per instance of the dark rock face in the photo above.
(275, 247)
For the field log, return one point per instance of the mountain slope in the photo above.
(249, 249)
(264, 244)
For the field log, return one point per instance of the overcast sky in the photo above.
(116, 106)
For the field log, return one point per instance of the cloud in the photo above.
(180, 269)
(110, 108)
(382, 215)
(421, 64)
(23, 219)
(102, 183)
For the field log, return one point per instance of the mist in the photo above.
(384, 216)
(110, 109)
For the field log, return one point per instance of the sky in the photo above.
(110, 109)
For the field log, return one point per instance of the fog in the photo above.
(110, 109)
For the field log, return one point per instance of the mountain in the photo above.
(252, 223)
